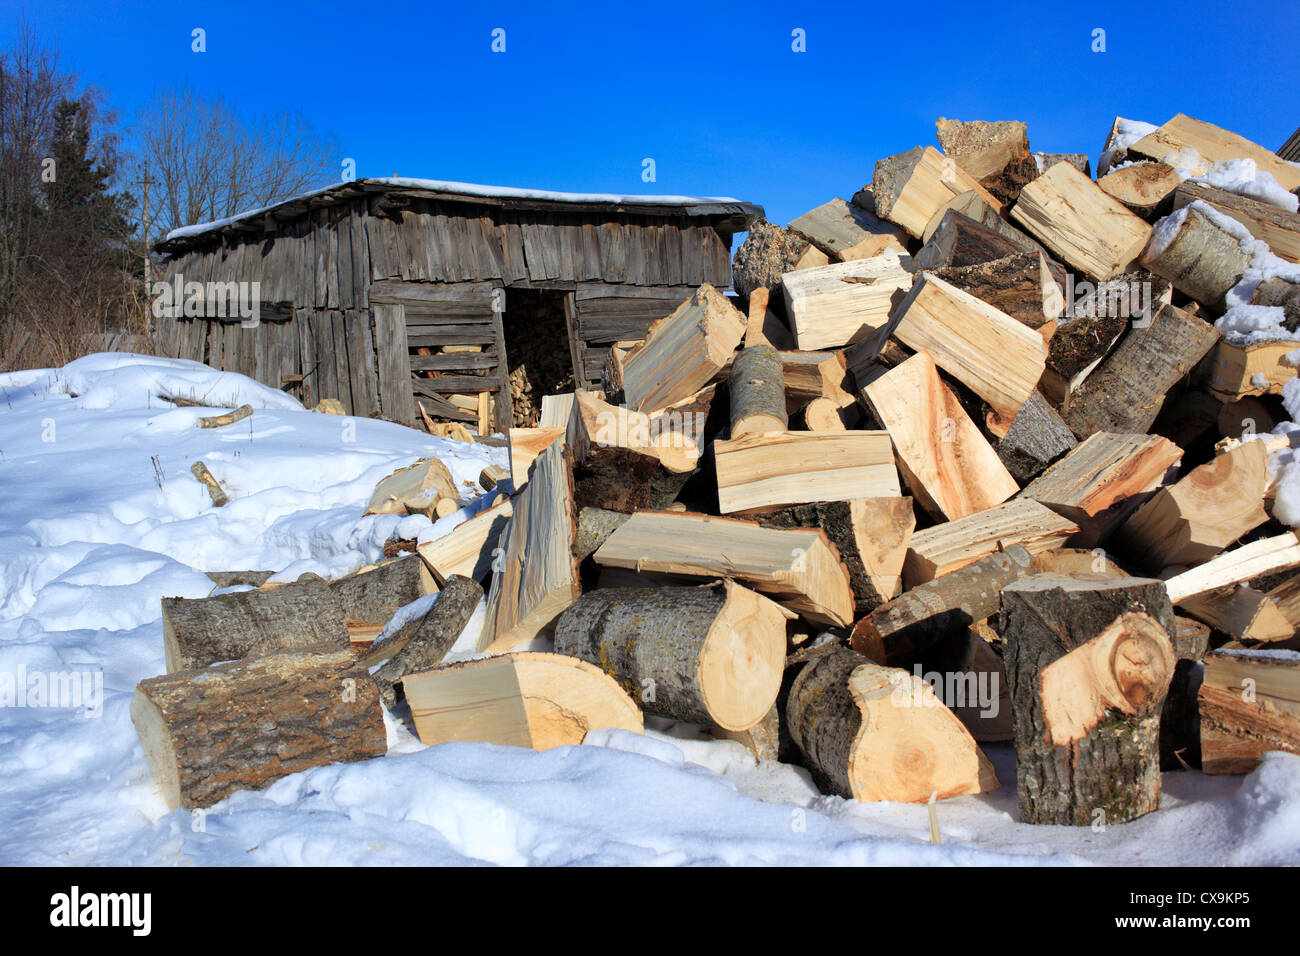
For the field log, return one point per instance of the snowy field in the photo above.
(100, 518)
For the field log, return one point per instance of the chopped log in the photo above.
(1249, 704)
(810, 375)
(1126, 391)
(296, 616)
(538, 575)
(1079, 344)
(764, 327)
(683, 351)
(416, 486)
(1192, 520)
(798, 567)
(759, 472)
(218, 494)
(557, 410)
(431, 639)
(871, 535)
(1202, 259)
(767, 253)
(595, 525)
(242, 725)
(373, 594)
(1214, 145)
(946, 547)
(1021, 285)
(1240, 564)
(1287, 598)
(1079, 161)
(711, 654)
(1101, 482)
(1241, 612)
(847, 232)
(811, 258)
(909, 187)
(234, 579)
(675, 436)
(896, 631)
(525, 445)
(948, 465)
(989, 352)
(959, 241)
(763, 740)
(617, 479)
(819, 415)
(1144, 189)
(492, 475)
(229, 418)
(468, 548)
(757, 390)
(973, 206)
(1080, 224)
(1237, 371)
(1286, 295)
(844, 302)
(996, 154)
(525, 699)
(1090, 659)
(1077, 561)
(1036, 439)
(876, 733)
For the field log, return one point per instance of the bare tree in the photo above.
(207, 162)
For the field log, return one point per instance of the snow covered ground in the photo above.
(93, 533)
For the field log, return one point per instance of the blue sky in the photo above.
(712, 92)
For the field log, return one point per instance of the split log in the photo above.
(373, 594)
(1287, 598)
(948, 465)
(973, 206)
(1192, 520)
(799, 568)
(1126, 391)
(871, 535)
(989, 352)
(1079, 161)
(996, 154)
(959, 241)
(539, 576)
(595, 525)
(1077, 561)
(819, 415)
(1080, 224)
(1240, 564)
(525, 445)
(757, 390)
(229, 418)
(759, 472)
(468, 548)
(876, 733)
(417, 485)
(1144, 189)
(1202, 259)
(218, 494)
(1237, 371)
(675, 436)
(1079, 344)
(242, 725)
(712, 654)
(296, 616)
(1249, 704)
(683, 351)
(429, 641)
(844, 302)
(1244, 614)
(910, 187)
(897, 631)
(1286, 295)
(940, 550)
(557, 410)
(763, 740)
(493, 475)
(525, 699)
(1090, 660)
(846, 232)
(764, 327)
(768, 252)
(811, 375)
(617, 479)
(1036, 439)
(1101, 482)
(1022, 285)
(1215, 145)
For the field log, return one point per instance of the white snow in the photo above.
(463, 189)
(1243, 177)
(91, 539)
(1127, 132)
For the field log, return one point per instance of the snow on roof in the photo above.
(466, 189)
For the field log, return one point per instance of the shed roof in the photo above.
(1290, 150)
(722, 208)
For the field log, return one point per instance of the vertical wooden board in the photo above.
(613, 253)
(576, 345)
(512, 247)
(216, 344)
(322, 333)
(342, 275)
(639, 251)
(590, 269)
(394, 368)
(377, 248)
(364, 381)
(307, 351)
(487, 246)
(342, 360)
(535, 237)
(289, 353)
(437, 243)
(230, 346)
(321, 297)
(360, 259)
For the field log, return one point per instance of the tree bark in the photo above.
(373, 595)
(1202, 260)
(757, 389)
(243, 725)
(431, 639)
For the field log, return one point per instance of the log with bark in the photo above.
(837, 304)
(427, 641)
(711, 654)
(1023, 285)
(1201, 258)
(1214, 145)
(373, 594)
(1036, 440)
(958, 241)
(1249, 704)
(846, 232)
(1280, 228)
(877, 733)
(1263, 556)
(242, 725)
(756, 387)
(416, 485)
(768, 252)
(1144, 189)
(996, 154)
(1090, 659)
(910, 187)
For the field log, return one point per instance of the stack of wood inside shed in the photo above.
(964, 461)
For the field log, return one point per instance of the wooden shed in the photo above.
(382, 292)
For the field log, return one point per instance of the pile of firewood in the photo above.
(966, 461)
